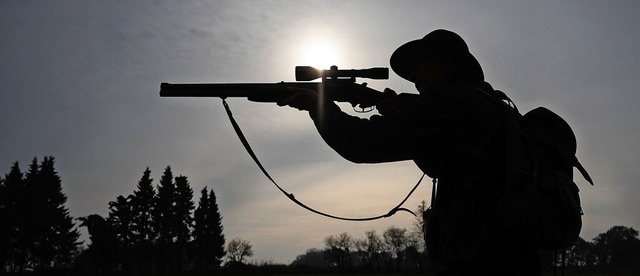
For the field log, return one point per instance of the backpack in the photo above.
(541, 204)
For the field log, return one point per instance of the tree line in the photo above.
(151, 230)
(396, 250)
(400, 250)
(156, 231)
(616, 250)
(160, 229)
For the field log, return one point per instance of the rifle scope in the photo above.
(307, 73)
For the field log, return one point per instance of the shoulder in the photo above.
(456, 96)
(464, 93)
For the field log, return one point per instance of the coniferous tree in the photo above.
(32, 200)
(65, 233)
(142, 207)
(202, 244)
(164, 208)
(215, 219)
(208, 239)
(39, 218)
(144, 235)
(121, 220)
(183, 219)
(12, 246)
(184, 206)
(164, 221)
(54, 234)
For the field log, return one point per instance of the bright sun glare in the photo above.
(319, 53)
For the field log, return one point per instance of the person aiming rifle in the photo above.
(453, 130)
(454, 133)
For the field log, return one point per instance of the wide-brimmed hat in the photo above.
(404, 59)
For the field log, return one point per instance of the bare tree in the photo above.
(370, 249)
(238, 249)
(396, 242)
(338, 249)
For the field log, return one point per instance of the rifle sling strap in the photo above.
(246, 145)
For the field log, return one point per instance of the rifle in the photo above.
(337, 85)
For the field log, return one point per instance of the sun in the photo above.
(319, 53)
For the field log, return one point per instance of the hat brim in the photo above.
(405, 59)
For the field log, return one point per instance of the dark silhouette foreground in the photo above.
(454, 133)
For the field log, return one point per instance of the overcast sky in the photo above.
(79, 81)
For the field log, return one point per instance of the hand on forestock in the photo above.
(389, 102)
(392, 102)
(302, 99)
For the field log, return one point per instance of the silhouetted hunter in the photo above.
(506, 179)
(453, 132)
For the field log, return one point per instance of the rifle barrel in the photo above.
(272, 92)
(219, 89)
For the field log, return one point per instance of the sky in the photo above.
(79, 81)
